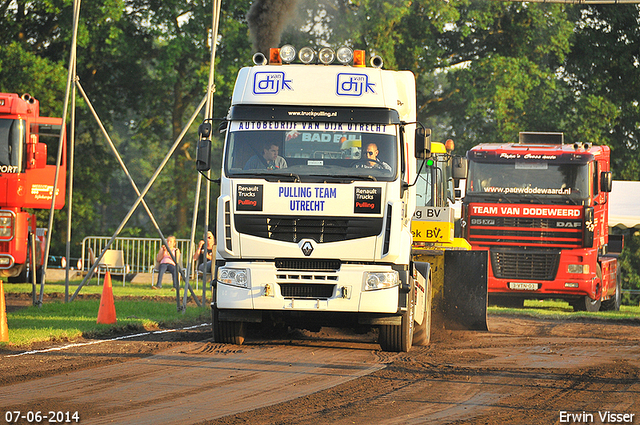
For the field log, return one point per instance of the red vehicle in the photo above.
(26, 181)
(540, 207)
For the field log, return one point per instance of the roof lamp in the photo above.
(449, 145)
(326, 55)
(358, 58)
(287, 53)
(344, 55)
(306, 55)
(274, 56)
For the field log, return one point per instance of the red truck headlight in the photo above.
(7, 222)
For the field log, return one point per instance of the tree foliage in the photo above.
(485, 70)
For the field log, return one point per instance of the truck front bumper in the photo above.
(265, 288)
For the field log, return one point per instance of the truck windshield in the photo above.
(312, 151)
(433, 195)
(534, 180)
(12, 140)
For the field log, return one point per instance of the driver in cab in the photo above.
(371, 160)
(269, 159)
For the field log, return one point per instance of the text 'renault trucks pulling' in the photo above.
(26, 181)
(317, 195)
(541, 209)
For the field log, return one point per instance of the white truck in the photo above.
(316, 200)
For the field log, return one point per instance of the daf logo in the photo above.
(574, 224)
(307, 248)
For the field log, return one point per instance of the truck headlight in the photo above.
(578, 268)
(380, 280)
(234, 277)
(6, 224)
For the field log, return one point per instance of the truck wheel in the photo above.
(227, 332)
(586, 304)
(422, 333)
(21, 278)
(399, 337)
(613, 303)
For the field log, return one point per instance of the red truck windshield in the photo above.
(539, 179)
(12, 141)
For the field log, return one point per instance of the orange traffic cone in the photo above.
(4, 330)
(107, 311)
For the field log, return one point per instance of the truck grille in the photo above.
(313, 291)
(320, 229)
(525, 265)
(520, 231)
(306, 264)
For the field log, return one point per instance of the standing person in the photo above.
(166, 263)
(270, 159)
(205, 256)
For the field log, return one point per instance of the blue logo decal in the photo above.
(354, 85)
(270, 83)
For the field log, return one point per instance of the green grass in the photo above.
(58, 321)
(92, 287)
(556, 309)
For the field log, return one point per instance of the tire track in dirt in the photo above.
(210, 380)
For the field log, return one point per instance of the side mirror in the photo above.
(423, 143)
(459, 167)
(223, 126)
(203, 155)
(606, 181)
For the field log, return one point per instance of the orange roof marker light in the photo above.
(359, 58)
(449, 145)
(274, 56)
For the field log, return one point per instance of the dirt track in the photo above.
(522, 371)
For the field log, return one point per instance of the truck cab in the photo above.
(540, 207)
(316, 200)
(26, 180)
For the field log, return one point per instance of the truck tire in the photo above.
(586, 303)
(422, 333)
(398, 338)
(21, 278)
(613, 303)
(227, 332)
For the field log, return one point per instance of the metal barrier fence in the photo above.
(139, 253)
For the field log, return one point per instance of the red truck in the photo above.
(26, 182)
(540, 207)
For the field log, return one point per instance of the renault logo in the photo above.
(307, 248)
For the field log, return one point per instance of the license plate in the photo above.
(526, 286)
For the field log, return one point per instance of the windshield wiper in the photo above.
(350, 177)
(294, 177)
